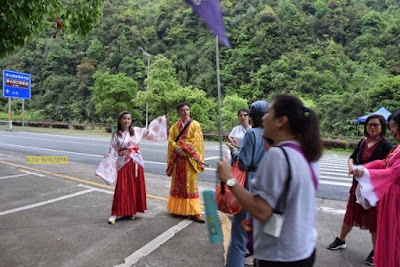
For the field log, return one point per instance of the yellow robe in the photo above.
(184, 195)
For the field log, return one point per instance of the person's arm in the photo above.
(157, 130)
(254, 204)
(245, 156)
(351, 165)
(373, 165)
(375, 182)
(353, 156)
(172, 145)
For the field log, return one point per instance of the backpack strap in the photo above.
(284, 194)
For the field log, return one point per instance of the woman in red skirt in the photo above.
(373, 147)
(128, 167)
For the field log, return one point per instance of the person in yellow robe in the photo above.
(184, 161)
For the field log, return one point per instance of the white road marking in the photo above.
(325, 177)
(6, 155)
(97, 189)
(100, 139)
(148, 162)
(84, 154)
(33, 173)
(53, 150)
(334, 183)
(211, 158)
(13, 176)
(64, 136)
(45, 202)
(154, 244)
(331, 210)
(25, 174)
(335, 155)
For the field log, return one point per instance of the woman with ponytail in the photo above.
(284, 188)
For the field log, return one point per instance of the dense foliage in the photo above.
(342, 57)
(23, 19)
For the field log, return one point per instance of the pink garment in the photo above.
(383, 176)
(127, 148)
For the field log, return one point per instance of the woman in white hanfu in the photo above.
(123, 162)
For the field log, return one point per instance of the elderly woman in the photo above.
(380, 180)
(288, 173)
(370, 148)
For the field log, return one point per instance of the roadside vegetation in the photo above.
(341, 57)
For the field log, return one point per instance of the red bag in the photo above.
(227, 202)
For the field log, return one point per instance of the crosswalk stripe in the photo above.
(335, 178)
(334, 183)
(336, 174)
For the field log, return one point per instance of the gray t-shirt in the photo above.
(298, 237)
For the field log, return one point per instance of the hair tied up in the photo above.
(306, 111)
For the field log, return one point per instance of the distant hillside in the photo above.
(341, 56)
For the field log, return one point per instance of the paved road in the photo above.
(56, 215)
(334, 184)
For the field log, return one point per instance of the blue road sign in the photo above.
(16, 84)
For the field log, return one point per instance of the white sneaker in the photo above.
(112, 219)
(249, 260)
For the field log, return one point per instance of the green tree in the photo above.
(21, 20)
(161, 84)
(338, 112)
(113, 93)
(230, 106)
(386, 93)
(96, 50)
(202, 108)
(58, 93)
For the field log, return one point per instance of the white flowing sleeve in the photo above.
(107, 169)
(157, 130)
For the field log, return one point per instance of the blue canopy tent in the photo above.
(382, 111)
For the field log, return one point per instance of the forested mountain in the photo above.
(341, 56)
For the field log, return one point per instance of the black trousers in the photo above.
(309, 262)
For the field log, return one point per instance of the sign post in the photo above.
(16, 85)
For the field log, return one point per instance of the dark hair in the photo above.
(119, 127)
(181, 105)
(303, 123)
(256, 121)
(395, 116)
(244, 110)
(381, 121)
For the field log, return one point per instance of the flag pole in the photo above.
(219, 107)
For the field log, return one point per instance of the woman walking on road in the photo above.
(370, 148)
(128, 167)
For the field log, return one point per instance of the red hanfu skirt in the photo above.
(130, 191)
(356, 215)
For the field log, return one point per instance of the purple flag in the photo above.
(211, 13)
